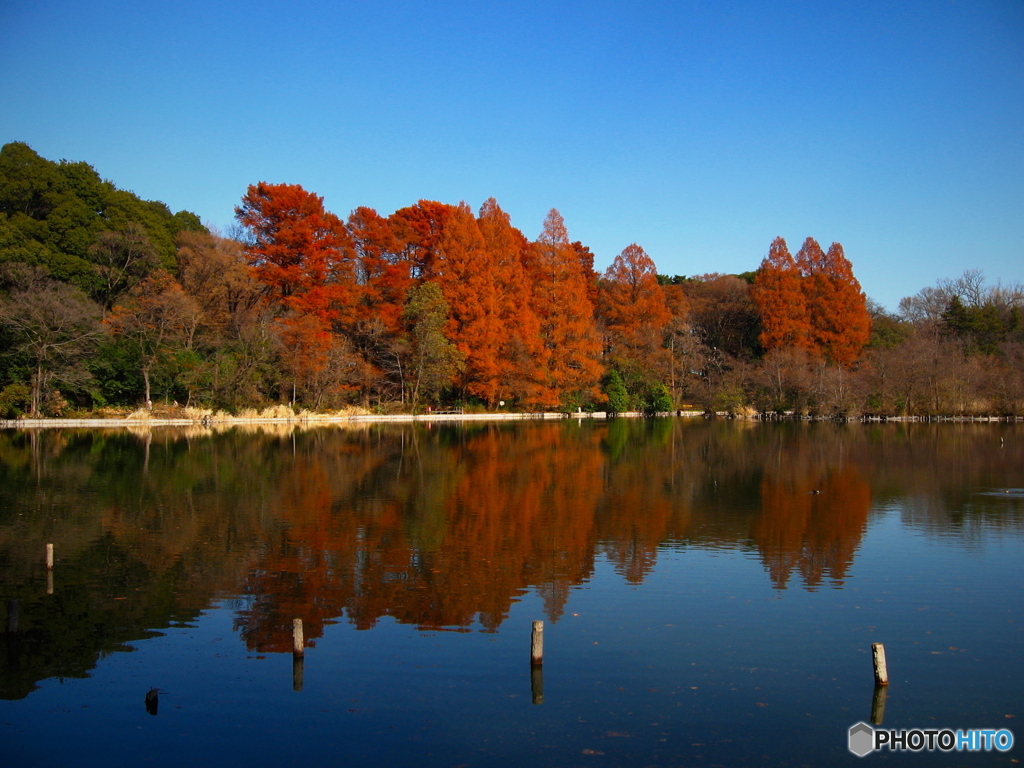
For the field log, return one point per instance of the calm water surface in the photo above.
(710, 593)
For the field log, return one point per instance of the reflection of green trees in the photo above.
(104, 598)
(446, 526)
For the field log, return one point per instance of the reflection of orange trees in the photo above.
(435, 535)
(812, 524)
(449, 526)
(528, 501)
(303, 566)
(492, 514)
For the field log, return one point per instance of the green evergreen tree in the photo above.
(615, 391)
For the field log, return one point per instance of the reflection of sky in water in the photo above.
(704, 661)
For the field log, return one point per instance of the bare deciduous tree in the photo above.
(55, 326)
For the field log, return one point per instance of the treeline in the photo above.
(109, 300)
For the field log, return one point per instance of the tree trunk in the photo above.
(37, 387)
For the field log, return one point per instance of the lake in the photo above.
(710, 592)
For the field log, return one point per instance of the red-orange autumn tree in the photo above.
(304, 255)
(382, 272)
(632, 305)
(418, 229)
(520, 350)
(590, 275)
(384, 276)
(836, 306)
(812, 302)
(560, 300)
(778, 294)
(463, 269)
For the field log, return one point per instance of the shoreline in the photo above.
(312, 419)
(327, 419)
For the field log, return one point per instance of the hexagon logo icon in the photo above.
(862, 739)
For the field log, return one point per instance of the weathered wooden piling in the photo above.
(537, 644)
(49, 557)
(298, 652)
(878, 656)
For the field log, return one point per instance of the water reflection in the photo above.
(442, 527)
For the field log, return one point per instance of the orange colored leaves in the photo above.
(812, 302)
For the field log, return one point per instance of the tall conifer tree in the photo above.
(779, 296)
(566, 317)
(838, 308)
(463, 269)
(521, 351)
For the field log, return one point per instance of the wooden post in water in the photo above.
(49, 569)
(878, 655)
(298, 651)
(298, 644)
(537, 644)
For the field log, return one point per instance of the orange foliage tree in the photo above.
(840, 323)
(566, 315)
(519, 348)
(778, 294)
(632, 306)
(812, 302)
(418, 229)
(305, 257)
(382, 272)
(464, 270)
(384, 276)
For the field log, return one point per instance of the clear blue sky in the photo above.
(700, 130)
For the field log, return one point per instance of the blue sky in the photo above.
(700, 130)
